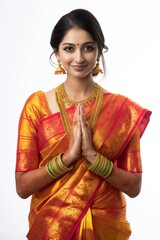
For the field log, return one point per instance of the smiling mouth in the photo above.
(79, 67)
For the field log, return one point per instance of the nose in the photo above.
(79, 58)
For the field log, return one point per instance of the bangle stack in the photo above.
(56, 168)
(101, 166)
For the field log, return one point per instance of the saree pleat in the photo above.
(80, 205)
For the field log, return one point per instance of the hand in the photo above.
(88, 150)
(74, 150)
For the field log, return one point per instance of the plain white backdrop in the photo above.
(132, 33)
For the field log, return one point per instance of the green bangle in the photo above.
(56, 168)
(103, 169)
(108, 170)
(61, 164)
(52, 168)
(93, 166)
(49, 170)
(101, 166)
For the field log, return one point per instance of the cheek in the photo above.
(92, 57)
(66, 59)
(92, 60)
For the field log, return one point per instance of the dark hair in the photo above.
(79, 18)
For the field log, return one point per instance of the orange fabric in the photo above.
(80, 205)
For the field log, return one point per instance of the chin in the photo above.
(81, 75)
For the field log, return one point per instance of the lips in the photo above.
(78, 67)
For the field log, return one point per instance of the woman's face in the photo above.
(78, 53)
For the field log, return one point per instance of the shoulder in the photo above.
(115, 96)
(128, 106)
(119, 98)
(34, 103)
(35, 97)
(51, 93)
(122, 102)
(51, 101)
(126, 101)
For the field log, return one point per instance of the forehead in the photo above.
(77, 36)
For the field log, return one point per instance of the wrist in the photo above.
(90, 155)
(66, 159)
(56, 168)
(101, 166)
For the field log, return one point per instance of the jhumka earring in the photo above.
(96, 70)
(59, 69)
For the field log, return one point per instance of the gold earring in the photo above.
(59, 69)
(96, 70)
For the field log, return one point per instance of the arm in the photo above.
(127, 182)
(123, 180)
(32, 181)
(29, 182)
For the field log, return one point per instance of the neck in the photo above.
(78, 89)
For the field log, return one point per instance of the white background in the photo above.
(132, 33)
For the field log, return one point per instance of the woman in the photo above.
(78, 144)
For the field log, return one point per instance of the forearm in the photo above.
(127, 182)
(32, 181)
(28, 183)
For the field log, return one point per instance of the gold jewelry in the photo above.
(84, 102)
(96, 70)
(95, 110)
(59, 69)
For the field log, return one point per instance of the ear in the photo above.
(100, 53)
(56, 53)
(99, 56)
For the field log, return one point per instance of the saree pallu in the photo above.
(80, 205)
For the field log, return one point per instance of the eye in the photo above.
(89, 48)
(68, 49)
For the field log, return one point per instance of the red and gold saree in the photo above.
(80, 205)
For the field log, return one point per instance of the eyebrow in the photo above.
(72, 44)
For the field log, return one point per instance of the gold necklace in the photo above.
(70, 102)
(95, 110)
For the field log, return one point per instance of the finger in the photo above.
(76, 113)
(78, 122)
(84, 121)
(76, 116)
(82, 115)
(82, 112)
(76, 129)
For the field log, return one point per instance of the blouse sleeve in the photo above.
(27, 146)
(130, 159)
